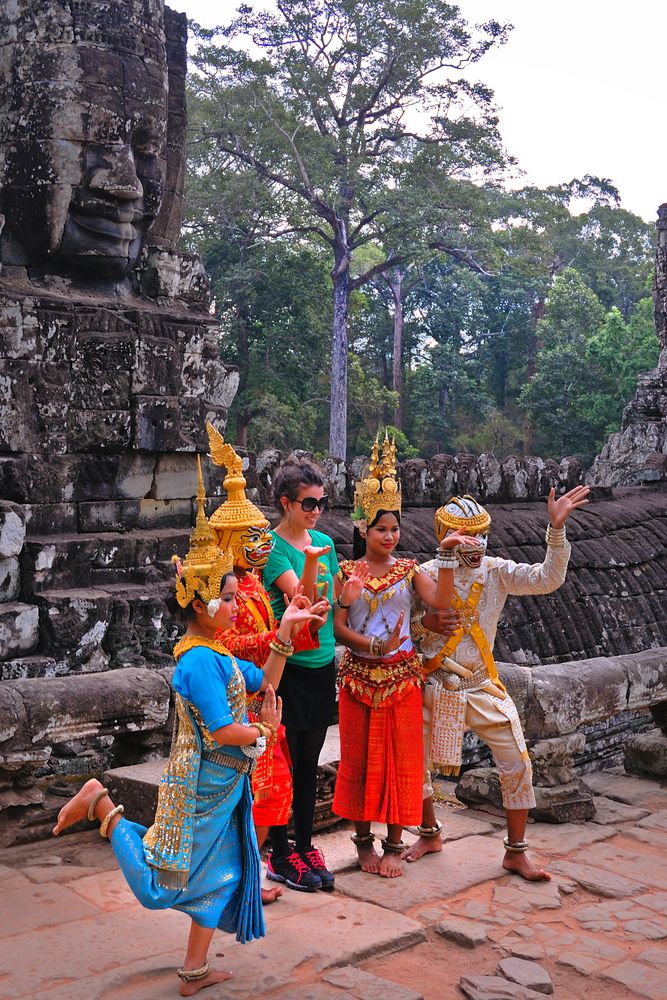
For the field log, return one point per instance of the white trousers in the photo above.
(491, 725)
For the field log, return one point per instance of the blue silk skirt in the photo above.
(223, 887)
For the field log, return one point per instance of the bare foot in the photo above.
(77, 808)
(189, 989)
(425, 845)
(520, 864)
(391, 865)
(369, 859)
(271, 895)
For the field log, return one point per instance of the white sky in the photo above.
(580, 86)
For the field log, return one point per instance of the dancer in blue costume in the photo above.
(200, 856)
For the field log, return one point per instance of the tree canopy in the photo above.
(345, 189)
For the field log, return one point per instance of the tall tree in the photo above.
(358, 113)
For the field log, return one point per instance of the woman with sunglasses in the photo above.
(300, 554)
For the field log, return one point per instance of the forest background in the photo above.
(373, 260)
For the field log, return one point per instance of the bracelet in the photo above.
(280, 647)
(337, 603)
(446, 559)
(555, 537)
(376, 646)
(104, 825)
(264, 729)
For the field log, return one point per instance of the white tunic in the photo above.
(501, 577)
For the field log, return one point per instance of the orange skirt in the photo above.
(380, 777)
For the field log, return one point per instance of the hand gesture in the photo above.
(319, 610)
(560, 510)
(459, 538)
(271, 711)
(315, 551)
(443, 622)
(395, 639)
(355, 583)
(300, 610)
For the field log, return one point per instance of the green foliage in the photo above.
(586, 368)
(338, 144)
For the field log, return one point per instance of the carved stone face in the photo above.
(84, 154)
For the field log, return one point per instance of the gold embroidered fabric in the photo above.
(168, 842)
(379, 682)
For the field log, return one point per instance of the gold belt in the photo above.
(456, 683)
(245, 766)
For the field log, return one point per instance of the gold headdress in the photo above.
(379, 489)
(200, 573)
(238, 524)
(461, 513)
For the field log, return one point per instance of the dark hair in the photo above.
(185, 615)
(291, 476)
(358, 540)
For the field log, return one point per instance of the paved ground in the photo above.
(70, 929)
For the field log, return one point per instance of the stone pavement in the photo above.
(70, 928)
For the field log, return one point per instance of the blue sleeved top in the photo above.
(202, 676)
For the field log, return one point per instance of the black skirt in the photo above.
(309, 696)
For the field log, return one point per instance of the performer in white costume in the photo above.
(463, 690)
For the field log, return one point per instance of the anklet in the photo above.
(518, 848)
(192, 975)
(389, 847)
(430, 831)
(93, 802)
(104, 825)
(362, 840)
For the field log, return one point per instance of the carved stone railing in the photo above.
(556, 703)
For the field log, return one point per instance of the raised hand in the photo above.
(315, 551)
(561, 508)
(355, 583)
(459, 538)
(300, 610)
(395, 639)
(271, 711)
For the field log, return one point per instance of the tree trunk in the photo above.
(243, 415)
(533, 347)
(341, 300)
(397, 367)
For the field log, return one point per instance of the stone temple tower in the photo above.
(109, 368)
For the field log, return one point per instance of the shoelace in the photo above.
(315, 858)
(297, 862)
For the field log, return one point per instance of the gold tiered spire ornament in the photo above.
(200, 574)
(238, 524)
(380, 488)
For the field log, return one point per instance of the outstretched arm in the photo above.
(523, 579)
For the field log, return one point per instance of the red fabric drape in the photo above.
(380, 777)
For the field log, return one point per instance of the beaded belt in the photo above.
(456, 683)
(245, 766)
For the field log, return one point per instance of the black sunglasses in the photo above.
(308, 504)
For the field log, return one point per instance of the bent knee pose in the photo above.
(200, 855)
(380, 680)
(241, 526)
(463, 690)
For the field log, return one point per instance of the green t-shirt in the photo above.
(285, 557)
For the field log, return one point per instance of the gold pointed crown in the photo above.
(380, 488)
(461, 513)
(237, 511)
(200, 573)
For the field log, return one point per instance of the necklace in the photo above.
(191, 641)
